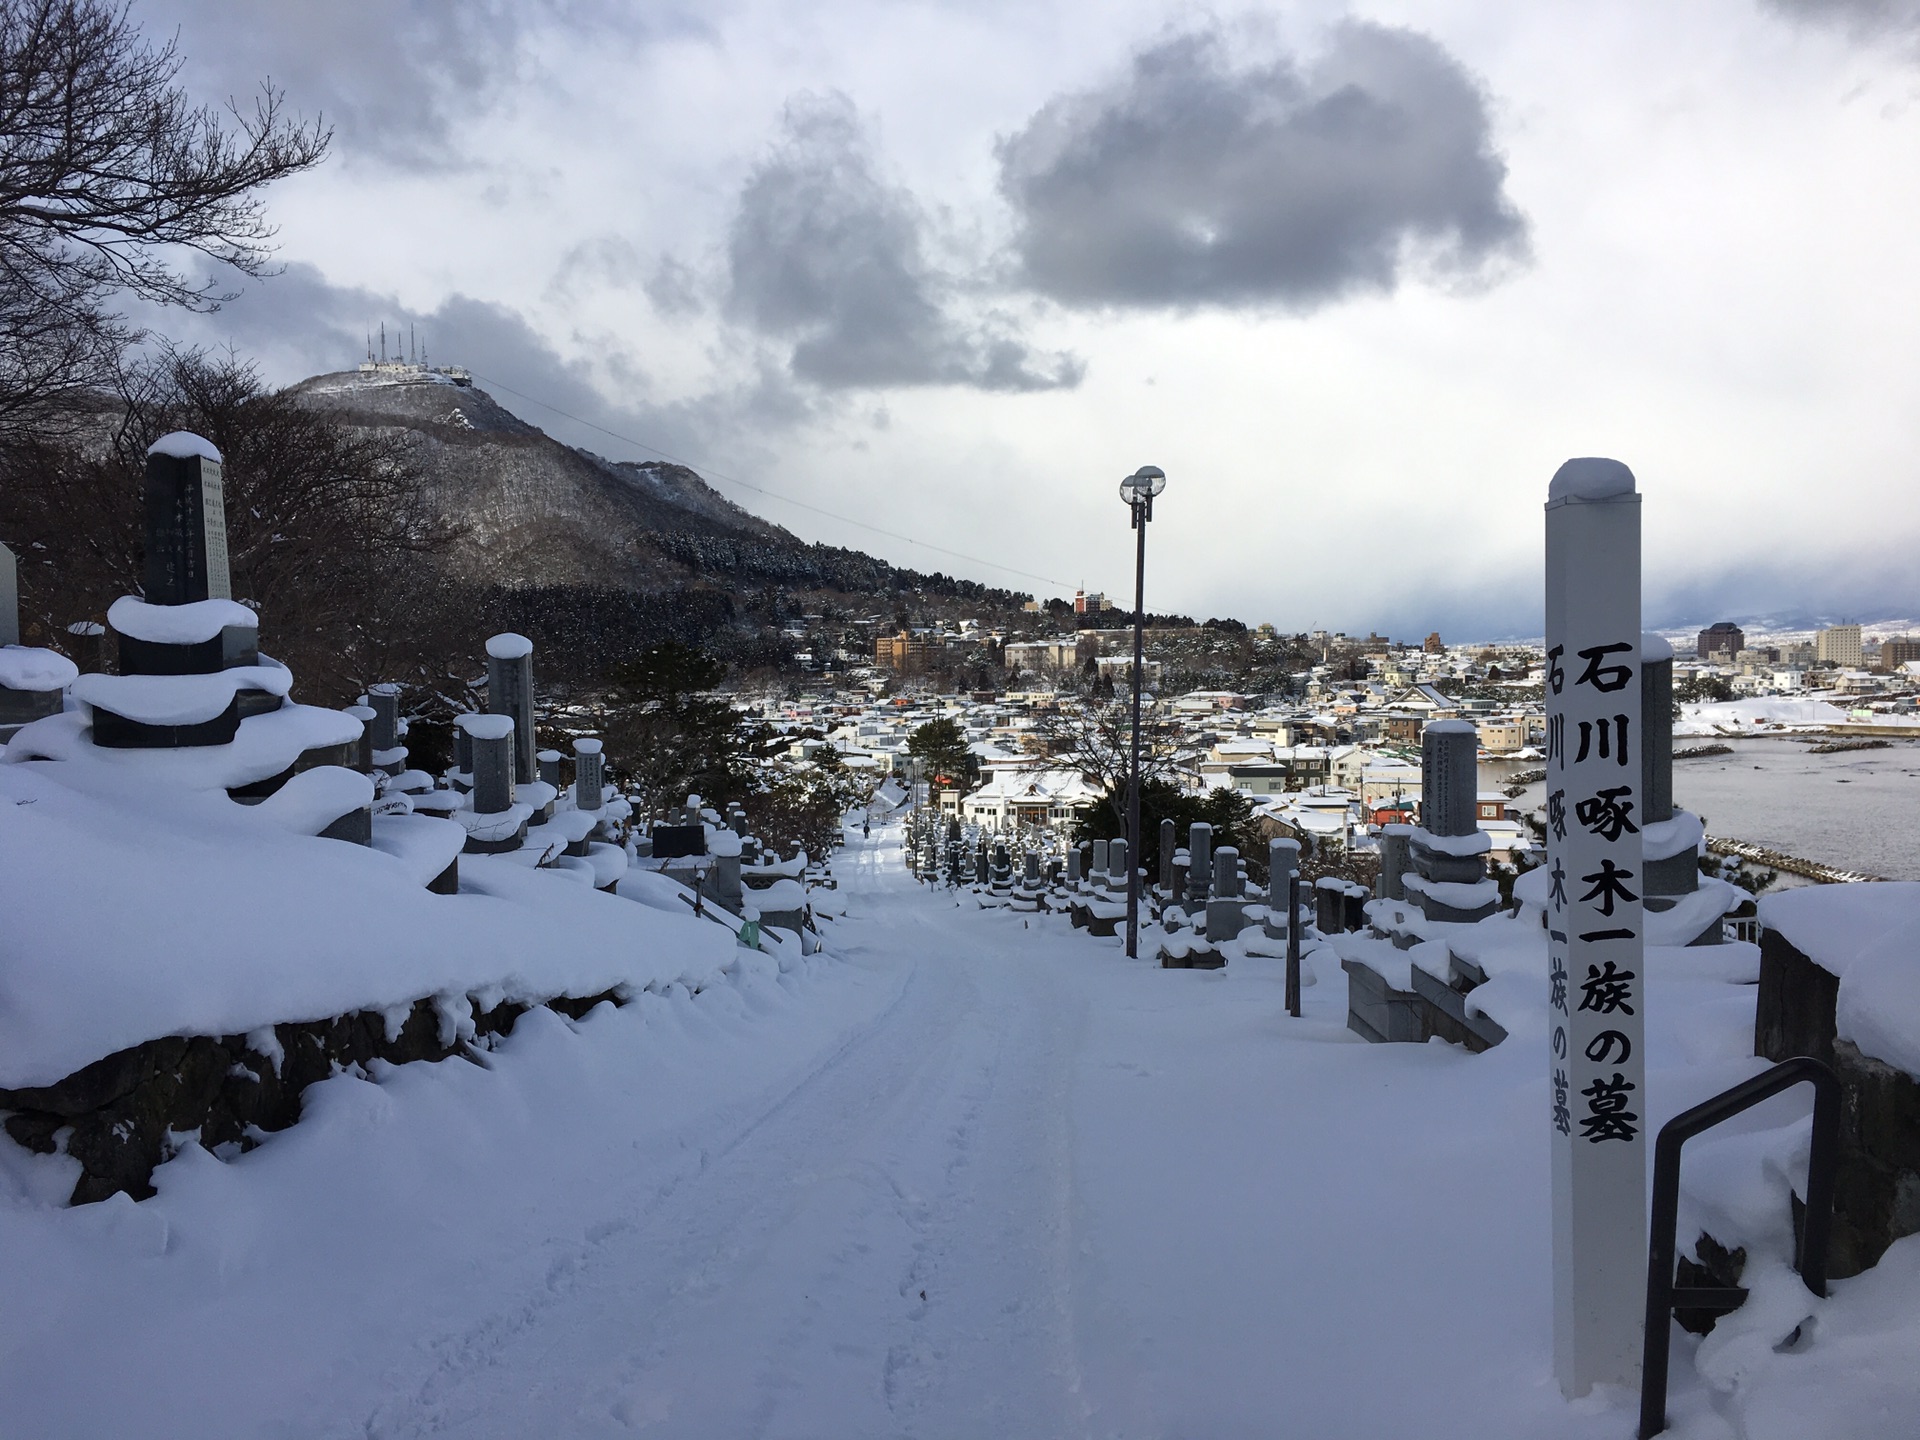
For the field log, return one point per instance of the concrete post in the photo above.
(1596, 947)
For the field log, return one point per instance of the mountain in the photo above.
(543, 515)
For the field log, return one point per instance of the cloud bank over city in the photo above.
(1357, 277)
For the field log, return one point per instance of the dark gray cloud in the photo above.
(1197, 180)
(829, 257)
(398, 78)
(1863, 19)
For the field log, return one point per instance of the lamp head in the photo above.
(1145, 483)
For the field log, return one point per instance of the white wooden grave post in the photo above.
(1596, 937)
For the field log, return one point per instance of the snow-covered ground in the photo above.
(967, 1174)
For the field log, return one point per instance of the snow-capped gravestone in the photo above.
(1595, 924)
(190, 669)
(1448, 849)
(1396, 854)
(32, 683)
(385, 749)
(510, 693)
(32, 680)
(589, 783)
(1670, 838)
(1283, 862)
(1226, 911)
(1199, 864)
(496, 822)
(186, 532)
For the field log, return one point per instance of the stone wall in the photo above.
(123, 1114)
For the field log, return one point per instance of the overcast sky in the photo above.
(1357, 278)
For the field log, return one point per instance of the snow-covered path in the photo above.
(884, 1250)
(970, 1177)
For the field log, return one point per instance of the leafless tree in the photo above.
(109, 174)
(330, 532)
(1097, 740)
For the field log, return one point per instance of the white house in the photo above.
(1031, 796)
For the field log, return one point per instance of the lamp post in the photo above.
(1138, 490)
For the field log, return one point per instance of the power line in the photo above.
(707, 474)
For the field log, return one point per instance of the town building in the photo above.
(1897, 650)
(1722, 638)
(1063, 652)
(904, 651)
(1839, 645)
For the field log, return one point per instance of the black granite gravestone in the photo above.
(186, 535)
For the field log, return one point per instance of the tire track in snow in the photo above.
(776, 1289)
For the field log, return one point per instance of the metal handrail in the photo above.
(1663, 1297)
(1293, 943)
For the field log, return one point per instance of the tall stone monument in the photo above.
(187, 624)
(510, 693)
(186, 536)
(1199, 864)
(1595, 924)
(1448, 848)
(1283, 864)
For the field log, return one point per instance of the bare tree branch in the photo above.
(107, 172)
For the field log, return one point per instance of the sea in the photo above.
(1857, 809)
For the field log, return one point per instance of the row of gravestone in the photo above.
(715, 856)
(190, 673)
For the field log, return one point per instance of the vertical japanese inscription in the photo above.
(1595, 1099)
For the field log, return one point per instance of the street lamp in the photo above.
(1138, 490)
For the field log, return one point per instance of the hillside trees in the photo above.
(110, 178)
(673, 735)
(329, 530)
(942, 744)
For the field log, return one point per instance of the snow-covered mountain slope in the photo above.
(535, 511)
